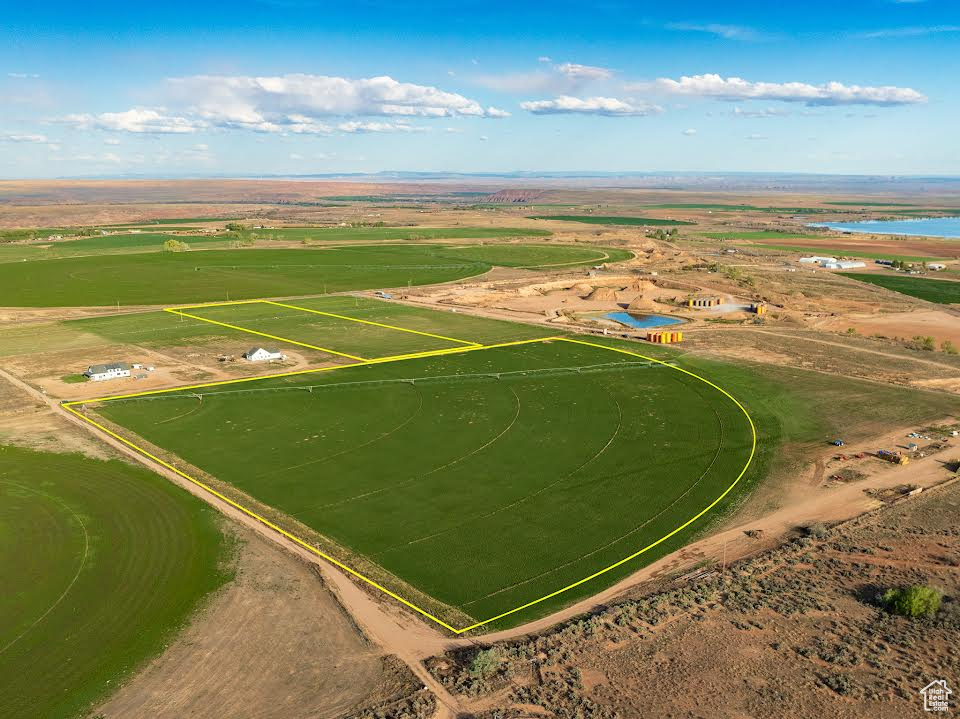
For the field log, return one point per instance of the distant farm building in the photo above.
(758, 308)
(111, 370)
(261, 354)
(832, 263)
(702, 302)
(664, 337)
(936, 266)
(843, 265)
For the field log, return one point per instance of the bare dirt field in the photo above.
(914, 246)
(940, 324)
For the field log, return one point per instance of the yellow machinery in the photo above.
(664, 337)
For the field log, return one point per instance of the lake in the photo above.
(642, 321)
(925, 227)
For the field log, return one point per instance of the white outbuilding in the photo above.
(261, 354)
(843, 265)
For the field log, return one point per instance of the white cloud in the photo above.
(910, 31)
(111, 141)
(764, 112)
(831, 93)
(564, 79)
(295, 156)
(584, 72)
(608, 106)
(727, 32)
(354, 127)
(136, 120)
(496, 112)
(22, 137)
(690, 132)
(544, 58)
(757, 137)
(23, 75)
(483, 138)
(295, 103)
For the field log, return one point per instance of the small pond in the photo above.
(642, 321)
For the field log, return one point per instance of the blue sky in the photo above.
(304, 86)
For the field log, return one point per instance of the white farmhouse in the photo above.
(260, 354)
(112, 370)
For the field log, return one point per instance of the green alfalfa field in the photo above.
(216, 275)
(102, 563)
(485, 479)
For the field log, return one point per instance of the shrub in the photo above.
(485, 663)
(817, 530)
(914, 601)
(948, 347)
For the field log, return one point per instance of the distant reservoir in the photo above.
(923, 227)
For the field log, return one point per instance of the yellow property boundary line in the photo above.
(69, 407)
(180, 312)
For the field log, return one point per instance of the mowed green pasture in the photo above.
(485, 479)
(944, 292)
(339, 334)
(162, 330)
(374, 234)
(450, 323)
(101, 563)
(534, 256)
(220, 275)
(612, 220)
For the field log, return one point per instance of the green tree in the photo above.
(914, 601)
(172, 245)
(948, 347)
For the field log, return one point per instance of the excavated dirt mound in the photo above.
(642, 303)
(602, 294)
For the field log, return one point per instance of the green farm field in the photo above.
(163, 330)
(306, 326)
(102, 563)
(537, 256)
(375, 234)
(438, 469)
(217, 275)
(944, 292)
(613, 220)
